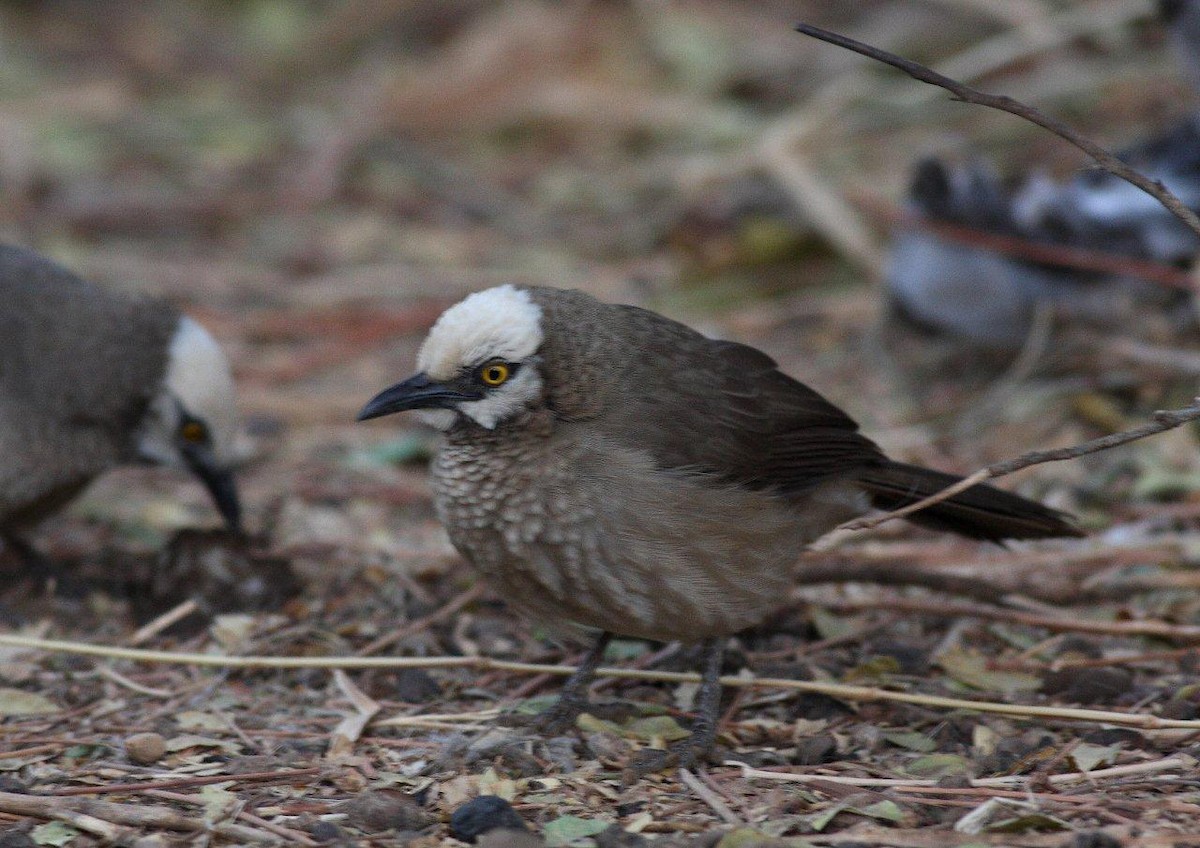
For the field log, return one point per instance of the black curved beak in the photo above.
(417, 392)
(220, 484)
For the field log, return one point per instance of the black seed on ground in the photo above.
(479, 815)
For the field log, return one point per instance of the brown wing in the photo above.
(725, 409)
(692, 402)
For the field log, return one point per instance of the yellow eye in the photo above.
(193, 431)
(494, 374)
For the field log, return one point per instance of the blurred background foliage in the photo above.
(316, 180)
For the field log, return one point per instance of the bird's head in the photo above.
(192, 421)
(478, 365)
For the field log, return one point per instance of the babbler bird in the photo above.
(92, 379)
(612, 470)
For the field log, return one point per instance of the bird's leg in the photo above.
(573, 700)
(686, 752)
(707, 707)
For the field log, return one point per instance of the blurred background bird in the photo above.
(91, 379)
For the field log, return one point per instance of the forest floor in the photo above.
(316, 182)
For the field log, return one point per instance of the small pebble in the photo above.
(145, 748)
(479, 815)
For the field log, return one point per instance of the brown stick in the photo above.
(97, 817)
(966, 94)
(1161, 629)
(1163, 420)
(183, 782)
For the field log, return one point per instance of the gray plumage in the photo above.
(611, 470)
(83, 387)
(665, 483)
(623, 473)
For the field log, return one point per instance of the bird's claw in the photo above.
(685, 754)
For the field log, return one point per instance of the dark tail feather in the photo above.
(981, 512)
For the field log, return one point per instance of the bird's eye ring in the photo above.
(494, 374)
(193, 432)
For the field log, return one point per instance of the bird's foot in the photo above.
(560, 716)
(555, 720)
(686, 753)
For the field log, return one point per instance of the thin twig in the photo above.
(350, 728)
(152, 628)
(942, 609)
(966, 94)
(121, 680)
(295, 837)
(709, 797)
(101, 813)
(835, 690)
(1181, 761)
(1163, 420)
(185, 782)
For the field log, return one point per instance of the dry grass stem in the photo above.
(1182, 762)
(709, 797)
(835, 690)
(350, 728)
(102, 817)
(1159, 629)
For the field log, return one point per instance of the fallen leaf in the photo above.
(876, 667)
(984, 740)
(1032, 821)
(18, 702)
(1088, 756)
(938, 765)
(912, 741)
(656, 727)
(198, 720)
(885, 810)
(190, 740)
(218, 800)
(53, 833)
(830, 626)
(972, 669)
(567, 829)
